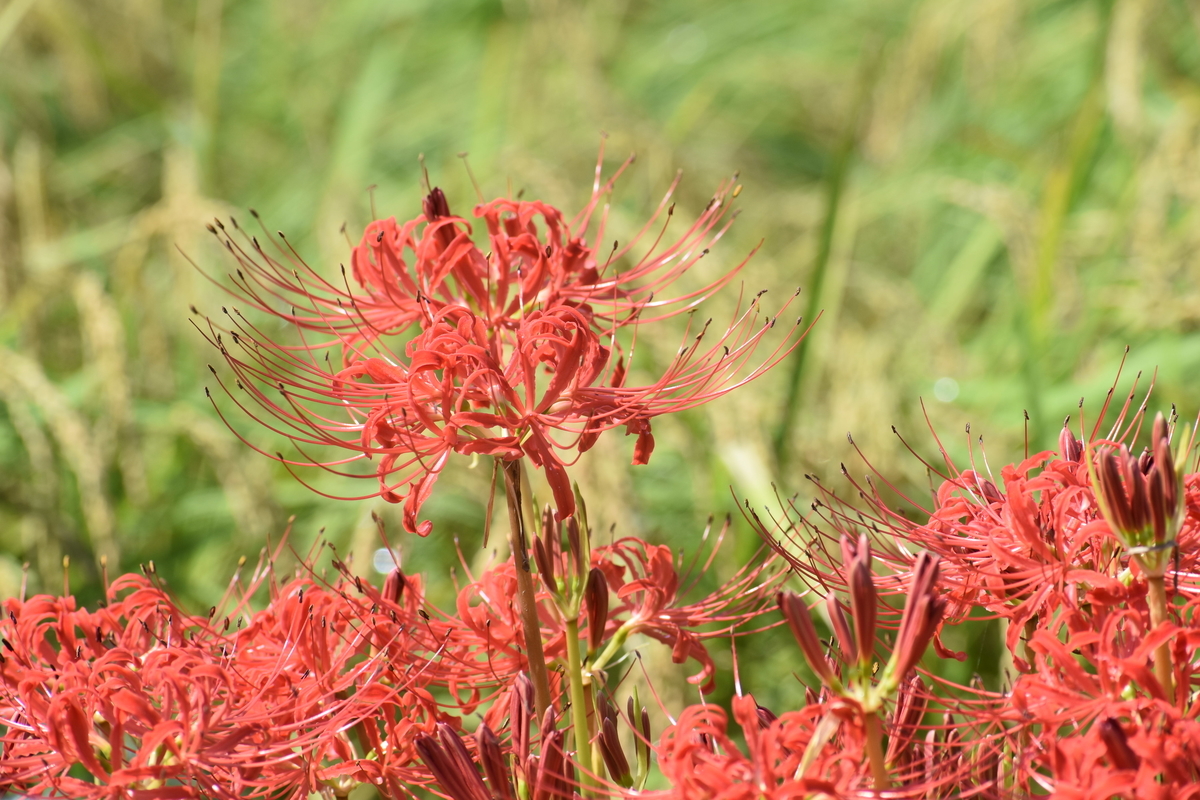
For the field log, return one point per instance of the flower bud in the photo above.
(1070, 448)
(451, 765)
(1120, 754)
(491, 756)
(520, 714)
(610, 743)
(393, 586)
(841, 628)
(800, 621)
(922, 613)
(595, 599)
(863, 601)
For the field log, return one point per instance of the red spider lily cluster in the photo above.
(330, 686)
(1086, 557)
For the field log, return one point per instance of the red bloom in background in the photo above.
(149, 701)
(513, 354)
(1102, 687)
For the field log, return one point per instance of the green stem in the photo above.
(879, 769)
(579, 708)
(1163, 668)
(526, 594)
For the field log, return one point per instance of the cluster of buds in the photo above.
(1142, 497)
(853, 678)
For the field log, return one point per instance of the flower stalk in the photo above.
(526, 593)
(879, 769)
(579, 708)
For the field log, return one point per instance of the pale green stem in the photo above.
(1163, 668)
(579, 708)
(879, 769)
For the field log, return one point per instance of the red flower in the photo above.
(408, 273)
(508, 359)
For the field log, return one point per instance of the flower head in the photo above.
(513, 353)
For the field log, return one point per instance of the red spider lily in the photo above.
(1102, 702)
(456, 392)
(1094, 720)
(807, 753)
(644, 594)
(408, 273)
(1020, 553)
(647, 586)
(547, 775)
(313, 692)
(1141, 498)
(487, 326)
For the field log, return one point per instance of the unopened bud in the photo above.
(610, 743)
(800, 621)
(766, 717)
(520, 714)
(576, 547)
(1120, 754)
(545, 564)
(451, 765)
(1070, 448)
(595, 599)
(393, 586)
(922, 613)
(863, 600)
(491, 756)
(841, 628)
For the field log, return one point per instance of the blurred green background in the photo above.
(988, 199)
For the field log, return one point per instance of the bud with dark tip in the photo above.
(923, 613)
(610, 743)
(545, 564)
(436, 208)
(450, 763)
(841, 628)
(1141, 498)
(911, 702)
(863, 601)
(393, 586)
(1120, 754)
(520, 714)
(575, 543)
(1070, 448)
(641, 740)
(546, 550)
(555, 774)
(595, 599)
(435, 205)
(491, 756)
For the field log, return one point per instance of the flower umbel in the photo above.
(513, 353)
